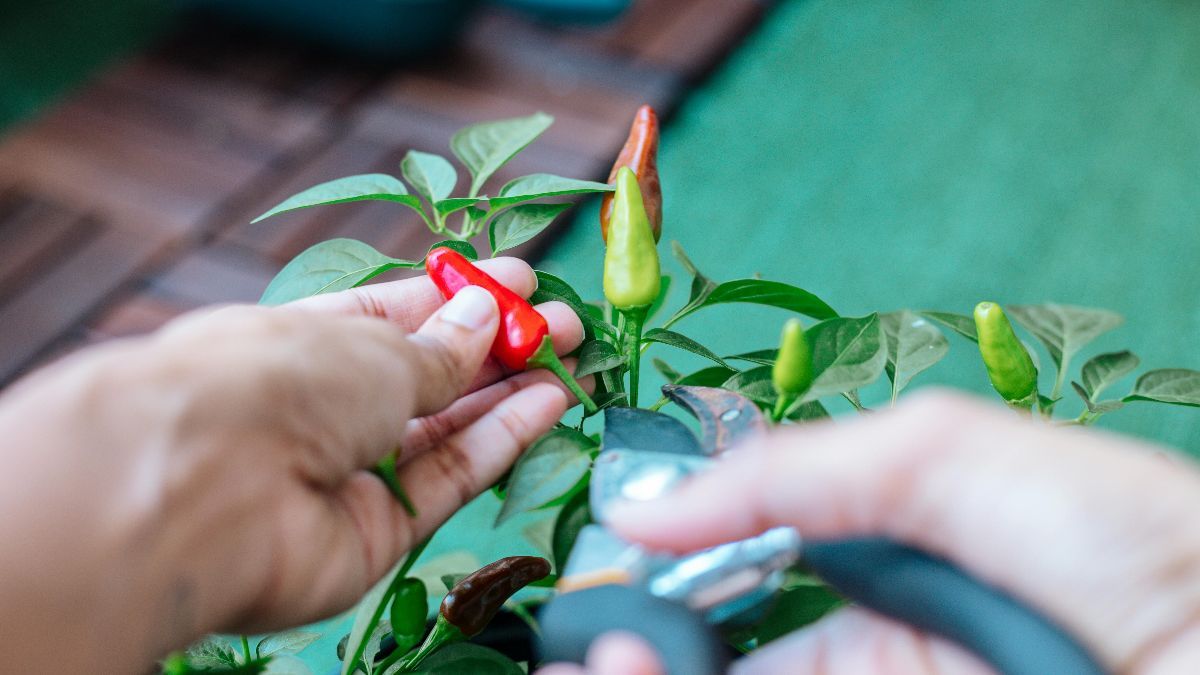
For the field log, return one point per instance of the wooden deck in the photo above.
(129, 202)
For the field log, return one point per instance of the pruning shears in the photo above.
(681, 604)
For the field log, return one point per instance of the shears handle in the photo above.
(893, 579)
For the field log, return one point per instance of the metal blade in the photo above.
(725, 417)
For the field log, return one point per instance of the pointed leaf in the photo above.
(758, 292)
(464, 248)
(448, 206)
(959, 323)
(551, 467)
(1064, 329)
(755, 384)
(574, 515)
(1169, 385)
(673, 339)
(913, 345)
(713, 376)
(1104, 370)
(432, 176)
(807, 412)
(289, 642)
(521, 223)
(552, 288)
(371, 186)
(212, 652)
(596, 356)
(484, 148)
(762, 357)
(701, 285)
(669, 374)
(542, 185)
(329, 266)
(848, 353)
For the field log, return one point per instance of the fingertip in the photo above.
(566, 330)
(622, 653)
(514, 273)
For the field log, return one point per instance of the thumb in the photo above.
(451, 347)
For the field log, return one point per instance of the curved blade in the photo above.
(725, 417)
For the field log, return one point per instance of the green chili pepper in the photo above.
(1009, 365)
(792, 374)
(631, 272)
(410, 608)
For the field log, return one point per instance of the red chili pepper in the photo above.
(523, 340)
(641, 155)
(522, 329)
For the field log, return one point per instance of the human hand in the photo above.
(1096, 531)
(212, 476)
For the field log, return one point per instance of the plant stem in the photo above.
(443, 633)
(635, 320)
(246, 648)
(545, 357)
(386, 598)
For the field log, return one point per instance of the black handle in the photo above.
(932, 594)
(686, 644)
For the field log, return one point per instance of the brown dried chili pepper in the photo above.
(474, 600)
(641, 155)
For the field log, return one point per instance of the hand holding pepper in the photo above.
(212, 476)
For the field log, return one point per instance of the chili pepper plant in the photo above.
(821, 356)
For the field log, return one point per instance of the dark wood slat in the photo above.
(43, 312)
(33, 234)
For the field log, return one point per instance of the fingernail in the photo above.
(472, 308)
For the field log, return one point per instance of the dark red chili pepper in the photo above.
(641, 155)
(474, 600)
(523, 340)
(522, 329)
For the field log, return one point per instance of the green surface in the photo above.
(893, 154)
(50, 46)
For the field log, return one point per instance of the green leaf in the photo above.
(848, 353)
(755, 384)
(289, 642)
(596, 356)
(447, 206)
(371, 186)
(713, 376)
(673, 339)
(465, 657)
(551, 288)
(913, 345)
(329, 266)
(793, 609)
(484, 148)
(758, 292)
(465, 249)
(1104, 370)
(669, 374)
(451, 580)
(574, 515)
(1169, 385)
(212, 652)
(521, 223)
(959, 323)
(762, 357)
(1064, 329)
(701, 285)
(432, 176)
(542, 185)
(551, 467)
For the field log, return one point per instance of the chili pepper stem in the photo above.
(635, 320)
(545, 357)
(443, 633)
(246, 648)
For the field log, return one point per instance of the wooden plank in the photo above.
(700, 35)
(78, 284)
(34, 233)
(215, 274)
(140, 313)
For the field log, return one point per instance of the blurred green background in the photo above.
(927, 155)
